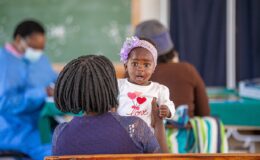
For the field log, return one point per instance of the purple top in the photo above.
(108, 133)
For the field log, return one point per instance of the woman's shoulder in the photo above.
(125, 118)
(186, 65)
(133, 125)
(128, 120)
(5, 55)
(58, 130)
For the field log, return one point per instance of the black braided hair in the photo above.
(87, 84)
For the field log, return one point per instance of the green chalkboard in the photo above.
(74, 27)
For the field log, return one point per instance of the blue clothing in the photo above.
(108, 133)
(22, 95)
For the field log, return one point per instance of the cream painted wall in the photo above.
(155, 9)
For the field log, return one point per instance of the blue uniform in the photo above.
(22, 95)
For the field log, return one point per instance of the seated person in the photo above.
(25, 76)
(88, 84)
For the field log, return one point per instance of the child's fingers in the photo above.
(164, 107)
(163, 111)
(163, 114)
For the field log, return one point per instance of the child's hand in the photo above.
(164, 111)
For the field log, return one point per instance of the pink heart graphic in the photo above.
(131, 95)
(141, 100)
(136, 107)
(138, 93)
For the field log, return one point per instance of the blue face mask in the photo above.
(32, 54)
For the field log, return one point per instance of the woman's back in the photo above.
(185, 85)
(107, 133)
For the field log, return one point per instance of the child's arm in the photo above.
(159, 129)
(166, 106)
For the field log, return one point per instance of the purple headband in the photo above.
(133, 42)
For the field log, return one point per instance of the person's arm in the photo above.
(159, 129)
(201, 102)
(16, 98)
(165, 102)
(16, 102)
(15, 94)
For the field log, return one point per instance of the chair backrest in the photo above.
(159, 157)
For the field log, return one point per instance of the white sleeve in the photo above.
(164, 99)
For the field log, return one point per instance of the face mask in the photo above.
(33, 55)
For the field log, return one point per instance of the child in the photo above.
(88, 84)
(137, 92)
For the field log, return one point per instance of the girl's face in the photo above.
(140, 66)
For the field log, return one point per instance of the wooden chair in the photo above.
(236, 156)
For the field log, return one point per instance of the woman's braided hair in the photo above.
(87, 84)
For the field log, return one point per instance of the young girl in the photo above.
(137, 92)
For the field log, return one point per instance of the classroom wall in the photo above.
(155, 9)
(149, 8)
(141, 10)
(73, 27)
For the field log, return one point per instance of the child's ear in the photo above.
(125, 66)
(126, 73)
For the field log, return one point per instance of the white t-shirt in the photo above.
(135, 100)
